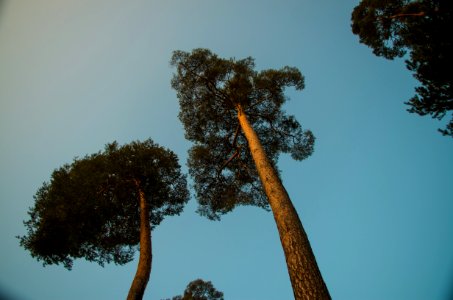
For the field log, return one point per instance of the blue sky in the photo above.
(376, 197)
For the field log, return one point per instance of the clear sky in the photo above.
(376, 197)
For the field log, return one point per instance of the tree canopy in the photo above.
(90, 208)
(209, 89)
(394, 27)
(200, 290)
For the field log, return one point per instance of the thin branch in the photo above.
(234, 145)
(236, 134)
(282, 133)
(419, 14)
(209, 82)
(402, 15)
(257, 103)
(264, 117)
(228, 161)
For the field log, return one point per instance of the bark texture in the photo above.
(144, 263)
(306, 279)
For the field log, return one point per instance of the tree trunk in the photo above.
(306, 279)
(144, 263)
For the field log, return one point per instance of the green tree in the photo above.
(103, 207)
(394, 27)
(200, 290)
(234, 116)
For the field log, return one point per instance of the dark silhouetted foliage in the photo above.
(393, 27)
(209, 89)
(200, 290)
(90, 208)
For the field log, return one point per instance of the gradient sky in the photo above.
(376, 197)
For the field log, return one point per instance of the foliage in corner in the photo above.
(394, 27)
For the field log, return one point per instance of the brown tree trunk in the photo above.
(303, 270)
(144, 263)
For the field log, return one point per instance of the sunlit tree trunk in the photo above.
(303, 270)
(144, 263)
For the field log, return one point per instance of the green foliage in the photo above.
(200, 290)
(210, 90)
(393, 27)
(90, 208)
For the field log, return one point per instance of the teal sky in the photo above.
(376, 197)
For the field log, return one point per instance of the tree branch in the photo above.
(258, 102)
(234, 145)
(228, 161)
(419, 14)
(209, 82)
(402, 15)
(238, 129)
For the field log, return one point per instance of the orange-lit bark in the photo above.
(303, 270)
(419, 14)
(144, 263)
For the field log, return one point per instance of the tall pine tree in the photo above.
(233, 115)
(103, 207)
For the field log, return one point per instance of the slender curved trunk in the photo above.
(303, 270)
(144, 263)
